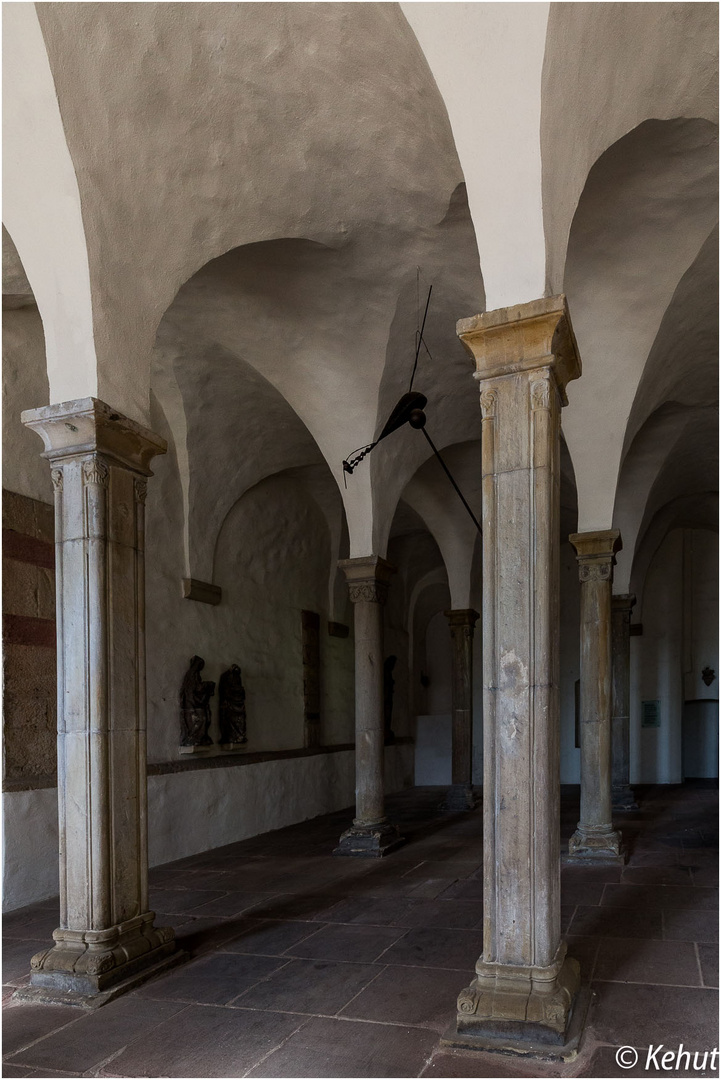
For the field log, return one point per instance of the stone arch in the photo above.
(646, 210)
(166, 188)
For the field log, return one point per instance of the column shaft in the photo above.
(106, 939)
(595, 837)
(371, 835)
(525, 984)
(368, 626)
(460, 795)
(622, 797)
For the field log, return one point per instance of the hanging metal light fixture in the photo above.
(410, 409)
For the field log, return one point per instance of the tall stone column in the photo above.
(622, 797)
(106, 942)
(371, 835)
(525, 985)
(595, 836)
(462, 624)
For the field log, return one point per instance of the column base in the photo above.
(91, 967)
(596, 844)
(459, 797)
(508, 1004)
(622, 798)
(523, 1039)
(369, 841)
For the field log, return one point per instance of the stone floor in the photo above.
(303, 965)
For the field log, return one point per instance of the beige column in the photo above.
(371, 834)
(622, 797)
(595, 837)
(106, 942)
(525, 984)
(462, 623)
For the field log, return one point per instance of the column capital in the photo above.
(522, 338)
(368, 578)
(624, 602)
(596, 553)
(462, 617)
(89, 426)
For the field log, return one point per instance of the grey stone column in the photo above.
(525, 984)
(595, 837)
(371, 834)
(622, 797)
(460, 794)
(106, 942)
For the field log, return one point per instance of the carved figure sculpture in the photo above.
(231, 693)
(195, 695)
(388, 685)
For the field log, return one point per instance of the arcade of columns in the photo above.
(525, 986)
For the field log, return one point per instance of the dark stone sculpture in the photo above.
(195, 698)
(232, 707)
(388, 685)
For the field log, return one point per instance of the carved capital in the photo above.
(95, 471)
(596, 570)
(140, 487)
(596, 553)
(56, 475)
(367, 578)
(462, 621)
(372, 592)
(523, 338)
(489, 399)
(541, 394)
(73, 429)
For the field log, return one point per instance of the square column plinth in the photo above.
(107, 941)
(525, 987)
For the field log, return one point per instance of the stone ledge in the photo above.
(216, 761)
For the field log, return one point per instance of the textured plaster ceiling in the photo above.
(258, 184)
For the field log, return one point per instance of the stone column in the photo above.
(525, 984)
(595, 837)
(371, 834)
(106, 942)
(622, 797)
(460, 794)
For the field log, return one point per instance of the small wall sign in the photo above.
(650, 714)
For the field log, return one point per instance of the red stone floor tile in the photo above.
(327, 1047)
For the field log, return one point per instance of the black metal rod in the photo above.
(447, 471)
(420, 339)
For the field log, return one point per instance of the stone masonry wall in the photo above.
(29, 653)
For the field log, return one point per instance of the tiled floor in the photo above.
(303, 965)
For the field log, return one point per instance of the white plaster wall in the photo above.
(271, 561)
(30, 846)
(680, 634)
(192, 812)
(434, 742)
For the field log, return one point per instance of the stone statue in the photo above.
(388, 684)
(195, 698)
(231, 693)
